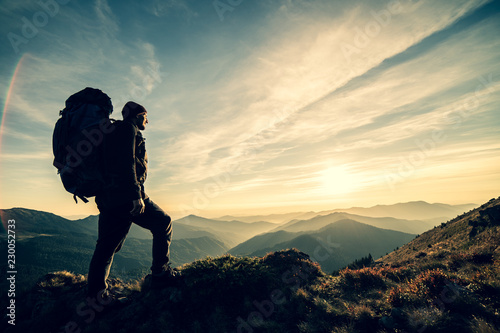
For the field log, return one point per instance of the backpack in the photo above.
(78, 142)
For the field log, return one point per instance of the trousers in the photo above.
(114, 225)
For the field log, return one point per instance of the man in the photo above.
(124, 201)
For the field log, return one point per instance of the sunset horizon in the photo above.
(263, 107)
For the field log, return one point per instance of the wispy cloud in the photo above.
(162, 8)
(292, 79)
(109, 23)
(286, 97)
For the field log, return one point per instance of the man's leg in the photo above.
(160, 225)
(113, 228)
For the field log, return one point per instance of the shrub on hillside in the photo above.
(398, 274)
(361, 279)
(431, 284)
(426, 288)
(477, 258)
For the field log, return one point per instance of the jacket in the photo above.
(126, 166)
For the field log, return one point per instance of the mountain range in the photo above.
(47, 242)
(444, 280)
(414, 210)
(320, 221)
(333, 246)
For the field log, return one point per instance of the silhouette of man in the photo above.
(124, 201)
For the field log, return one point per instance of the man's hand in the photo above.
(138, 207)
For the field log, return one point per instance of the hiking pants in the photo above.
(114, 224)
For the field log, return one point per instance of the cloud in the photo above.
(27, 157)
(108, 21)
(280, 97)
(162, 8)
(123, 69)
(298, 91)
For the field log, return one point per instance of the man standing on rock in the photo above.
(124, 201)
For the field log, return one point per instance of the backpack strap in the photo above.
(85, 200)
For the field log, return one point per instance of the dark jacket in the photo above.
(126, 164)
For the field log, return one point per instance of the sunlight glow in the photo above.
(337, 180)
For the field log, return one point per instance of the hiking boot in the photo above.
(168, 278)
(115, 298)
(105, 299)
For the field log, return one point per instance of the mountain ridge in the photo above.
(338, 244)
(236, 231)
(390, 223)
(452, 211)
(46, 242)
(452, 287)
(460, 231)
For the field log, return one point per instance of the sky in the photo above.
(260, 106)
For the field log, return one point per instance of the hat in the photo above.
(132, 109)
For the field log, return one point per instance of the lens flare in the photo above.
(4, 113)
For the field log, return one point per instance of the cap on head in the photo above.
(132, 109)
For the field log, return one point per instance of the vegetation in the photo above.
(363, 262)
(454, 287)
(284, 292)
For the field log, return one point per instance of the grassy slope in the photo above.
(450, 286)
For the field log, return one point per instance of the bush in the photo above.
(431, 283)
(361, 279)
(429, 286)
(480, 325)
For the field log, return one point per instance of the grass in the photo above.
(455, 287)
(285, 292)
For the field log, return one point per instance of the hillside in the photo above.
(181, 231)
(233, 231)
(48, 243)
(475, 233)
(450, 286)
(263, 241)
(217, 295)
(338, 244)
(33, 223)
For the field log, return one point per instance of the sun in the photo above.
(336, 180)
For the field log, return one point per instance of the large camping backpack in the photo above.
(78, 142)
